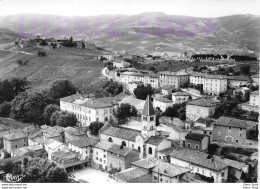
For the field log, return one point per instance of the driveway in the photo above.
(91, 175)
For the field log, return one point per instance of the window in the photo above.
(161, 180)
(222, 174)
(188, 145)
(104, 161)
(144, 118)
(160, 157)
(155, 177)
(86, 152)
(150, 150)
(15, 146)
(236, 141)
(203, 172)
(240, 134)
(96, 158)
(104, 156)
(110, 139)
(123, 143)
(151, 118)
(197, 147)
(100, 159)
(139, 149)
(96, 153)
(91, 151)
(198, 170)
(133, 145)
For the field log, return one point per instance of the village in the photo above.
(192, 125)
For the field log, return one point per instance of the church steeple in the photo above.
(148, 118)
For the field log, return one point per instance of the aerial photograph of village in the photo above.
(120, 91)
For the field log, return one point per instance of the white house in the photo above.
(52, 145)
(253, 104)
(162, 103)
(89, 109)
(180, 97)
(100, 153)
(120, 64)
(175, 79)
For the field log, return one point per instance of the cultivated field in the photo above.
(74, 64)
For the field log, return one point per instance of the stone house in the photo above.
(196, 141)
(14, 140)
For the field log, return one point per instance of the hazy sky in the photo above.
(199, 8)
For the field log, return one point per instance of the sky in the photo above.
(197, 8)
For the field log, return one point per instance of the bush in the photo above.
(41, 53)
(8, 167)
(5, 109)
(95, 127)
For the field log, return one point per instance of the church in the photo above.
(148, 141)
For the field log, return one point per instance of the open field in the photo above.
(81, 69)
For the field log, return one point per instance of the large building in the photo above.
(175, 79)
(201, 107)
(253, 104)
(147, 141)
(89, 109)
(210, 84)
(237, 81)
(231, 130)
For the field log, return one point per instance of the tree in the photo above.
(41, 53)
(245, 69)
(113, 88)
(95, 127)
(41, 170)
(60, 89)
(28, 106)
(48, 111)
(5, 109)
(19, 85)
(8, 167)
(6, 91)
(126, 110)
(63, 119)
(142, 91)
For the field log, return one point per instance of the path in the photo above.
(23, 52)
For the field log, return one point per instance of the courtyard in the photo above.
(91, 175)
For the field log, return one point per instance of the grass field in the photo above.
(66, 63)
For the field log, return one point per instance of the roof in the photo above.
(167, 151)
(181, 93)
(168, 87)
(120, 132)
(84, 142)
(74, 131)
(239, 78)
(148, 109)
(195, 136)
(198, 74)
(205, 102)
(28, 129)
(100, 102)
(231, 163)
(162, 99)
(155, 140)
(53, 131)
(104, 145)
(13, 159)
(131, 174)
(201, 120)
(232, 122)
(160, 167)
(254, 93)
(64, 155)
(15, 135)
(53, 144)
(116, 149)
(198, 158)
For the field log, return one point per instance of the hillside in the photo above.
(8, 36)
(74, 64)
(148, 32)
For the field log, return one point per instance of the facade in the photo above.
(32, 150)
(180, 97)
(15, 140)
(83, 146)
(231, 130)
(80, 44)
(166, 90)
(145, 78)
(196, 141)
(201, 107)
(237, 81)
(88, 109)
(201, 163)
(100, 154)
(120, 64)
(160, 171)
(253, 104)
(121, 157)
(52, 146)
(175, 79)
(162, 103)
(211, 84)
(155, 144)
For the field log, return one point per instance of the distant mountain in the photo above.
(152, 32)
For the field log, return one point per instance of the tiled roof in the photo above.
(121, 132)
(231, 163)
(169, 169)
(100, 102)
(104, 145)
(155, 140)
(148, 109)
(131, 174)
(195, 136)
(182, 93)
(205, 102)
(161, 99)
(74, 97)
(198, 74)
(28, 129)
(84, 142)
(167, 151)
(232, 122)
(74, 131)
(201, 120)
(53, 144)
(15, 135)
(146, 163)
(198, 158)
(116, 149)
(168, 87)
(255, 93)
(61, 155)
(53, 131)
(13, 159)
(239, 78)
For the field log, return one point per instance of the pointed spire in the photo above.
(148, 107)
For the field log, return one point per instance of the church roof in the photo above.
(148, 107)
